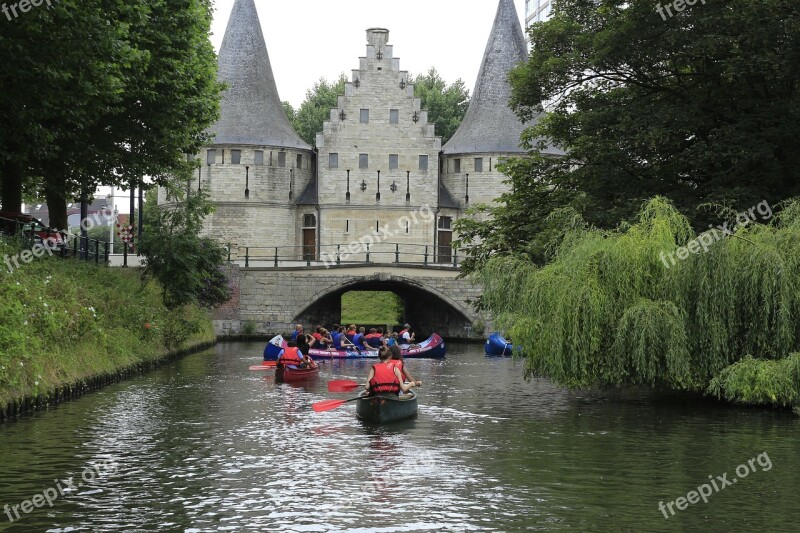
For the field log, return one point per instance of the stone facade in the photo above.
(380, 137)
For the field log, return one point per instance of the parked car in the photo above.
(13, 223)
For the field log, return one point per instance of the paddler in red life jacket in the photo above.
(397, 361)
(386, 378)
(292, 356)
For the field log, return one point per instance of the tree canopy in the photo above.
(316, 108)
(101, 92)
(446, 104)
(701, 108)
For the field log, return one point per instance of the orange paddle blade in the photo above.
(342, 385)
(262, 368)
(327, 405)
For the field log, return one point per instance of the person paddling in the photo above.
(397, 362)
(385, 378)
(292, 357)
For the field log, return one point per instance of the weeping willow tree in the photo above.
(610, 311)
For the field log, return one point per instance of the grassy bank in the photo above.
(64, 321)
(360, 307)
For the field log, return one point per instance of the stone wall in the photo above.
(485, 186)
(265, 217)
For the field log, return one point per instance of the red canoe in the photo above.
(291, 375)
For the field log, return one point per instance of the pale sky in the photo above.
(309, 39)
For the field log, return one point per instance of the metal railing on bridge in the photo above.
(328, 255)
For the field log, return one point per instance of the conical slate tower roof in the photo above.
(251, 113)
(490, 126)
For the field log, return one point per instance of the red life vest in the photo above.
(291, 356)
(385, 379)
(396, 363)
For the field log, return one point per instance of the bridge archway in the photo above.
(427, 309)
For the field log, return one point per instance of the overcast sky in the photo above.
(309, 39)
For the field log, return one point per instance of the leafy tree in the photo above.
(290, 112)
(120, 90)
(316, 108)
(701, 108)
(446, 104)
(654, 304)
(188, 267)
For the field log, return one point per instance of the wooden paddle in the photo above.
(329, 405)
(342, 385)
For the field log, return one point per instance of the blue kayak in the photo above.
(497, 345)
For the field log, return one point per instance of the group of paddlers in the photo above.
(390, 375)
(350, 337)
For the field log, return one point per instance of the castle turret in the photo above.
(258, 166)
(251, 112)
(490, 130)
(490, 126)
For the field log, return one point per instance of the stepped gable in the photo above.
(490, 126)
(251, 112)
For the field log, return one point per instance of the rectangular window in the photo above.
(445, 222)
(363, 161)
(281, 159)
(478, 164)
(300, 161)
(423, 163)
(365, 116)
(258, 159)
(333, 160)
(393, 161)
(456, 166)
(236, 157)
(394, 116)
(347, 226)
(211, 157)
(309, 221)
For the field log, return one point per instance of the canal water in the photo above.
(205, 445)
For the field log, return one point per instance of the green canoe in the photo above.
(386, 408)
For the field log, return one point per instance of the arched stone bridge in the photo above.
(273, 299)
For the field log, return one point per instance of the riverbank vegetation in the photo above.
(592, 261)
(609, 310)
(65, 320)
